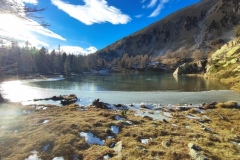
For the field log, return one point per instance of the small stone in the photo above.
(167, 143)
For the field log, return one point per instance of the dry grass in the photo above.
(62, 134)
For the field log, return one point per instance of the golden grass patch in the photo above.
(60, 135)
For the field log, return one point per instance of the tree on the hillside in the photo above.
(41, 61)
(67, 66)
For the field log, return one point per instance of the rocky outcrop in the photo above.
(195, 152)
(224, 64)
(191, 68)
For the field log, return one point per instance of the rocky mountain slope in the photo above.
(224, 64)
(202, 26)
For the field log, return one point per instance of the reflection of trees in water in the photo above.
(129, 82)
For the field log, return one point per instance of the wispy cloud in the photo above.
(25, 31)
(139, 16)
(160, 6)
(152, 3)
(30, 1)
(78, 50)
(21, 28)
(94, 11)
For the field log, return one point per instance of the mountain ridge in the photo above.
(200, 26)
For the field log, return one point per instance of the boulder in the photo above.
(191, 68)
(118, 149)
(99, 104)
(195, 152)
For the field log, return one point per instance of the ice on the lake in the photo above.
(91, 139)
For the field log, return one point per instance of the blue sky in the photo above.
(84, 26)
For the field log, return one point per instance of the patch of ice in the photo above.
(106, 157)
(199, 110)
(41, 107)
(167, 114)
(109, 106)
(115, 129)
(129, 122)
(45, 148)
(109, 137)
(145, 141)
(153, 114)
(235, 143)
(90, 139)
(117, 117)
(193, 117)
(45, 121)
(33, 157)
(3, 127)
(27, 111)
(58, 158)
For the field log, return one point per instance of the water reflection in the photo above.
(134, 82)
(123, 88)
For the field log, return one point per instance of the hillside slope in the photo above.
(201, 26)
(224, 64)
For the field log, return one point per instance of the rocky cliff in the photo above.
(203, 26)
(224, 64)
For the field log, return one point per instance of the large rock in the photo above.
(195, 152)
(191, 68)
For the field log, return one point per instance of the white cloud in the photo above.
(17, 26)
(94, 11)
(152, 3)
(24, 30)
(78, 50)
(139, 16)
(160, 6)
(157, 11)
(30, 1)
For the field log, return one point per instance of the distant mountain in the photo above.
(203, 26)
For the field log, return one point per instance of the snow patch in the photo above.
(34, 156)
(58, 158)
(117, 117)
(45, 148)
(106, 157)
(145, 141)
(115, 129)
(90, 139)
(45, 121)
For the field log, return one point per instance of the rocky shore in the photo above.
(118, 131)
